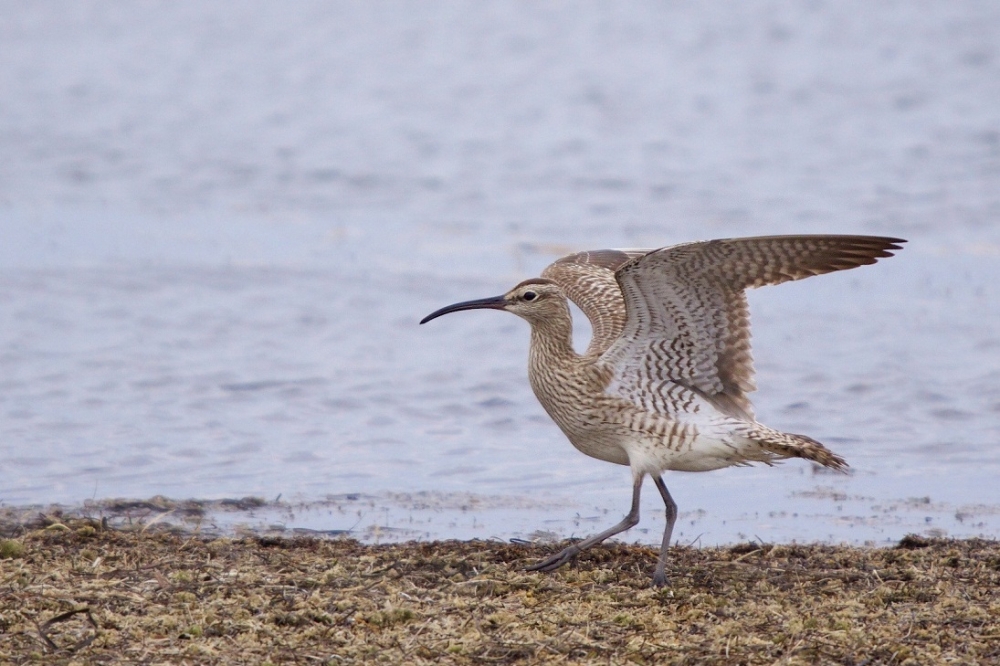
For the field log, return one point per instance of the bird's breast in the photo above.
(574, 398)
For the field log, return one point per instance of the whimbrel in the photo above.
(663, 384)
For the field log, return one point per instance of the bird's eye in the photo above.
(529, 296)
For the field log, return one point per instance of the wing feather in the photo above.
(686, 315)
(588, 279)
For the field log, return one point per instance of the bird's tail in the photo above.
(789, 445)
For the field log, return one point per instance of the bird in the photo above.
(664, 383)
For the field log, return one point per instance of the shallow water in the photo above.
(221, 224)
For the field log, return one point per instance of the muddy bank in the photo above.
(73, 591)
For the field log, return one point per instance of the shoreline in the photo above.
(74, 590)
(823, 517)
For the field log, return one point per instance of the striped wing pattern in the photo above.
(588, 279)
(686, 315)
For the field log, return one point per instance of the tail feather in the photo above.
(789, 445)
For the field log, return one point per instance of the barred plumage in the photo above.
(663, 384)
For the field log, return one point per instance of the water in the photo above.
(219, 225)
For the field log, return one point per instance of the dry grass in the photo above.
(76, 593)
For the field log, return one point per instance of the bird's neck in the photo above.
(562, 380)
(552, 341)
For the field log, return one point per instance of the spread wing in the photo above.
(588, 279)
(687, 320)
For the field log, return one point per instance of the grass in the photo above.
(73, 591)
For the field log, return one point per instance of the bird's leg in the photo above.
(660, 577)
(565, 555)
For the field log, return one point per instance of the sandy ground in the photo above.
(74, 591)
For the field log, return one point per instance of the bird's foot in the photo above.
(555, 561)
(660, 574)
(660, 579)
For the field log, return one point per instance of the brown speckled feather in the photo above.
(664, 382)
(687, 319)
(588, 279)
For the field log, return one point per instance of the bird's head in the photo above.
(535, 300)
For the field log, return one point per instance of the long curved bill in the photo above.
(492, 303)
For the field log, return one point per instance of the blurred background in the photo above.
(221, 222)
